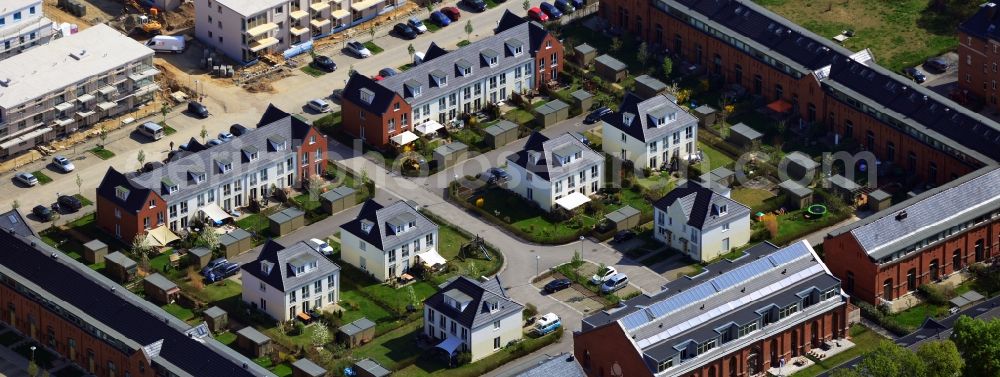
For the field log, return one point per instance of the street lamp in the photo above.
(537, 259)
(33, 354)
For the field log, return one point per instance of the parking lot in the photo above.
(579, 297)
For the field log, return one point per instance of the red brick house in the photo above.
(372, 112)
(927, 239)
(979, 55)
(734, 319)
(125, 210)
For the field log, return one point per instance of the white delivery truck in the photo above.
(167, 43)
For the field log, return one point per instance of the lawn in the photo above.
(42, 178)
(405, 67)
(374, 48)
(215, 292)
(226, 338)
(85, 225)
(468, 136)
(713, 157)
(312, 71)
(490, 4)
(433, 366)
(864, 340)
(178, 311)
(914, 317)
(102, 153)
(257, 224)
(463, 43)
(519, 116)
(83, 200)
(167, 130)
(900, 33)
(431, 25)
(752, 198)
(516, 211)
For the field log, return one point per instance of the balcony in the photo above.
(297, 31)
(364, 4)
(261, 29)
(263, 43)
(319, 23)
(147, 73)
(298, 14)
(319, 7)
(340, 14)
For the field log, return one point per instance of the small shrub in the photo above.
(463, 358)
(530, 310)
(937, 294)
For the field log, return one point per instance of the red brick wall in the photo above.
(307, 166)
(28, 312)
(978, 67)
(376, 126)
(543, 73)
(131, 223)
(601, 348)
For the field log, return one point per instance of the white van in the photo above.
(167, 43)
(152, 130)
(614, 283)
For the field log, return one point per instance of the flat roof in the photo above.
(581, 94)
(372, 367)
(54, 66)
(499, 128)
(746, 131)
(286, 215)
(651, 82)
(551, 107)
(235, 236)
(451, 148)
(338, 193)
(200, 251)
(622, 214)
(249, 7)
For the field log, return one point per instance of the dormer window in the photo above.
(250, 154)
(661, 121)
(367, 95)
(627, 118)
(463, 67)
(197, 176)
(168, 186)
(439, 78)
(224, 165)
(121, 193)
(490, 57)
(276, 143)
(414, 88)
(723, 209)
(514, 46)
(366, 226)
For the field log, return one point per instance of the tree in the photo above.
(667, 67)
(141, 157)
(371, 33)
(203, 133)
(845, 372)
(103, 135)
(15, 204)
(79, 184)
(526, 5)
(616, 44)
(979, 342)
(165, 109)
(321, 334)
(208, 238)
(942, 358)
(411, 50)
(642, 55)
(889, 359)
(468, 29)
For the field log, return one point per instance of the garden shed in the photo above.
(95, 251)
(799, 165)
(551, 113)
(648, 87)
(584, 54)
(356, 333)
(500, 134)
(159, 289)
(236, 242)
(879, 200)
(845, 188)
(307, 368)
(199, 256)
(609, 68)
(216, 318)
(626, 217)
(448, 154)
(798, 196)
(744, 135)
(720, 175)
(338, 199)
(120, 267)
(582, 100)
(706, 115)
(253, 342)
(286, 221)
(369, 368)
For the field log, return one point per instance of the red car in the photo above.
(453, 13)
(536, 14)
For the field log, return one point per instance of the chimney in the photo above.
(901, 215)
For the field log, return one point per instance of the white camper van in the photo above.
(167, 43)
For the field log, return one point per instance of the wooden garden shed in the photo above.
(448, 154)
(120, 267)
(216, 318)
(500, 134)
(199, 256)
(338, 199)
(624, 218)
(610, 69)
(95, 251)
(236, 242)
(356, 333)
(159, 289)
(286, 221)
(253, 342)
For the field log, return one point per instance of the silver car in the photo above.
(63, 163)
(359, 49)
(26, 178)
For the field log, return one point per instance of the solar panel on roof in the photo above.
(788, 254)
(12, 218)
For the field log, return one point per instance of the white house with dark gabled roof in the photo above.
(466, 315)
(286, 281)
(386, 241)
(651, 133)
(547, 171)
(701, 222)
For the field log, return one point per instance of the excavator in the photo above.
(147, 23)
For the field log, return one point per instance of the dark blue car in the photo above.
(578, 4)
(550, 10)
(565, 6)
(440, 19)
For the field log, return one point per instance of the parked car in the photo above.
(197, 109)
(623, 236)
(378, 78)
(42, 212)
(63, 163)
(936, 65)
(222, 272)
(225, 136)
(440, 18)
(477, 5)
(151, 130)
(603, 275)
(536, 14)
(26, 178)
(238, 129)
(453, 13)
(321, 246)
(557, 285)
(596, 115)
(546, 324)
(359, 49)
(214, 142)
(69, 203)
(213, 265)
(404, 30)
(497, 176)
(614, 283)
(324, 62)
(578, 4)
(550, 10)
(565, 6)
(915, 74)
(319, 105)
(417, 25)
(387, 72)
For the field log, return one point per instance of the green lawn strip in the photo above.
(514, 210)
(83, 200)
(395, 349)
(519, 116)
(167, 130)
(404, 67)
(85, 225)
(864, 340)
(374, 48)
(751, 197)
(793, 225)
(178, 311)
(490, 4)
(433, 366)
(356, 306)
(41, 177)
(311, 71)
(227, 338)
(255, 223)
(431, 26)
(714, 157)
(914, 317)
(102, 153)
(282, 370)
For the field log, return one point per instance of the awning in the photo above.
(25, 137)
(572, 201)
(107, 90)
(319, 23)
(428, 127)
(298, 14)
(404, 138)
(214, 212)
(365, 4)
(780, 106)
(261, 29)
(263, 43)
(298, 30)
(319, 7)
(339, 14)
(449, 345)
(432, 258)
(160, 236)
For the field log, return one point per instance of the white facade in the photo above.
(481, 341)
(473, 96)
(566, 166)
(384, 265)
(69, 83)
(319, 293)
(679, 144)
(700, 244)
(23, 26)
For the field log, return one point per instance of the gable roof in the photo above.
(380, 100)
(543, 148)
(379, 216)
(699, 205)
(478, 293)
(274, 265)
(983, 23)
(118, 313)
(639, 111)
